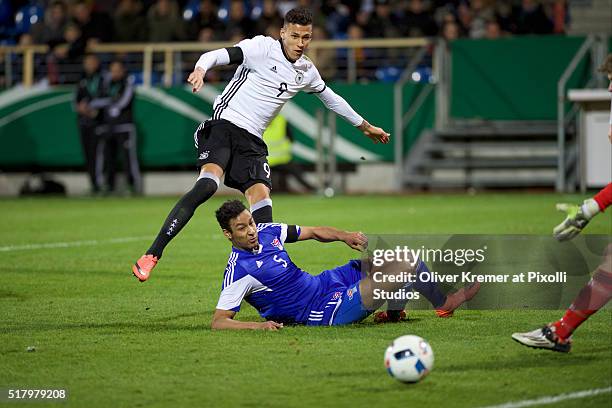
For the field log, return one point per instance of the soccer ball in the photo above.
(409, 359)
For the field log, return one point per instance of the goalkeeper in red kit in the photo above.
(598, 291)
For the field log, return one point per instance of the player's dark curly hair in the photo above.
(228, 211)
(299, 15)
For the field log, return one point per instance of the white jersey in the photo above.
(262, 84)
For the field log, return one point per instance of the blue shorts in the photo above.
(340, 301)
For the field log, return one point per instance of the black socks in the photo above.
(203, 189)
(430, 290)
(262, 211)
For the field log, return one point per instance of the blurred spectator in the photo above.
(88, 92)
(531, 19)
(559, 16)
(95, 27)
(119, 130)
(206, 18)
(494, 30)
(130, 24)
(236, 36)
(26, 39)
(206, 35)
(285, 5)
(165, 23)
(451, 31)
(362, 19)
(324, 58)
(382, 24)
(338, 17)
(273, 31)
(105, 6)
(238, 19)
(474, 17)
(50, 31)
(504, 16)
(417, 21)
(355, 32)
(270, 17)
(64, 60)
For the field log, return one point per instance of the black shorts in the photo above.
(241, 155)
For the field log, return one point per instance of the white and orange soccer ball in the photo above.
(409, 359)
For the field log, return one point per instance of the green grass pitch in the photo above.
(114, 342)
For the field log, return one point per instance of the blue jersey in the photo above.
(268, 280)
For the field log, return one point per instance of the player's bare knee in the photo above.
(212, 168)
(257, 193)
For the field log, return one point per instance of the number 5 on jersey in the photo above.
(280, 260)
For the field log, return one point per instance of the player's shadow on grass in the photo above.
(206, 313)
(110, 273)
(7, 294)
(156, 324)
(152, 327)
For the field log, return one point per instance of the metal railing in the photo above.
(349, 60)
(595, 45)
(401, 116)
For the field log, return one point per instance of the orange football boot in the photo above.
(457, 299)
(143, 267)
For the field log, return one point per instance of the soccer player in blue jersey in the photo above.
(260, 271)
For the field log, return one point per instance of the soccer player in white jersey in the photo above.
(260, 271)
(270, 73)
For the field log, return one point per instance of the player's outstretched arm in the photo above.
(224, 320)
(211, 59)
(339, 105)
(376, 134)
(356, 240)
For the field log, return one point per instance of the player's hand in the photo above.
(82, 108)
(574, 222)
(270, 325)
(356, 240)
(196, 79)
(376, 134)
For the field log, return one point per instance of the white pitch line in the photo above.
(552, 399)
(89, 242)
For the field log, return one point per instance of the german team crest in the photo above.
(299, 78)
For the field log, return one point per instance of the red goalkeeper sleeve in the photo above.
(604, 197)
